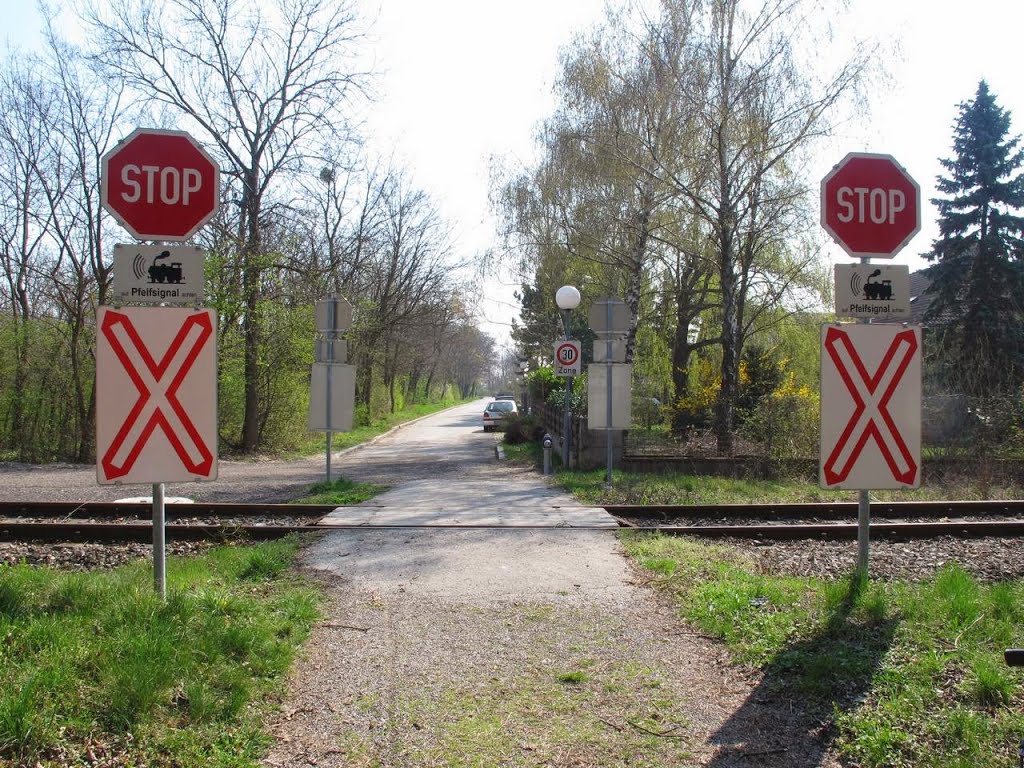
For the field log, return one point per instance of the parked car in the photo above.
(497, 411)
(504, 396)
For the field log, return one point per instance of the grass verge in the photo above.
(530, 453)
(95, 668)
(340, 492)
(910, 674)
(644, 488)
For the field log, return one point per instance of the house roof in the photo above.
(921, 300)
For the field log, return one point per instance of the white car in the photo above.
(495, 412)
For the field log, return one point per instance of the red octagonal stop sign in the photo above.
(160, 185)
(870, 205)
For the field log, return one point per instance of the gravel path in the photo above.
(509, 648)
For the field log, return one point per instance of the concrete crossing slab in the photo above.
(472, 503)
(583, 517)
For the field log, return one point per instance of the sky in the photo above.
(464, 81)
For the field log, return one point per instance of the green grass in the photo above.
(529, 453)
(648, 488)
(576, 677)
(340, 492)
(911, 673)
(95, 661)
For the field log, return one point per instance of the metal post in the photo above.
(863, 530)
(331, 323)
(609, 370)
(864, 506)
(159, 542)
(566, 412)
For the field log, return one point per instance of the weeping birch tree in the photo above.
(746, 72)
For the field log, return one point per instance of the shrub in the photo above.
(522, 429)
(696, 409)
(761, 374)
(542, 382)
(786, 421)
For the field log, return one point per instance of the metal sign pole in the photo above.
(864, 505)
(608, 362)
(159, 542)
(332, 322)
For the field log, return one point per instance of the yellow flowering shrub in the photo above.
(786, 422)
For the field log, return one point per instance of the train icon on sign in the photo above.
(158, 273)
(882, 293)
(880, 290)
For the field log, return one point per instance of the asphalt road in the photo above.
(450, 441)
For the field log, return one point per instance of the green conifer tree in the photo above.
(977, 308)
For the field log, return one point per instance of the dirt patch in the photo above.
(399, 679)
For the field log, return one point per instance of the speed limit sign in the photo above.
(567, 358)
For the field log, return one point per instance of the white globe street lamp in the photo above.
(567, 298)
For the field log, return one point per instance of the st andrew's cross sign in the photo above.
(870, 406)
(156, 404)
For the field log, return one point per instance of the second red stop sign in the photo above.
(870, 205)
(160, 185)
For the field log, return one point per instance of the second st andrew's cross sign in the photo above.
(160, 185)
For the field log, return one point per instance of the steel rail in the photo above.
(114, 532)
(143, 532)
(964, 529)
(821, 510)
(109, 509)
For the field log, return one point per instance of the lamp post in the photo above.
(524, 371)
(567, 298)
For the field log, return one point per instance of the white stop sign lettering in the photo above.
(171, 186)
(874, 204)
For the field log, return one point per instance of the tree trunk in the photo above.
(634, 279)
(726, 406)
(250, 318)
(681, 351)
(19, 430)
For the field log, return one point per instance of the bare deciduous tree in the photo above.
(266, 84)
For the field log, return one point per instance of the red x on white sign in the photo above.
(870, 406)
(156, 395)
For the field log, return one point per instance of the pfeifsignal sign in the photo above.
(567, 358)
(158, 274)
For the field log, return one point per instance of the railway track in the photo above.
(904, 521)
(124, 522)
(120, 522)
